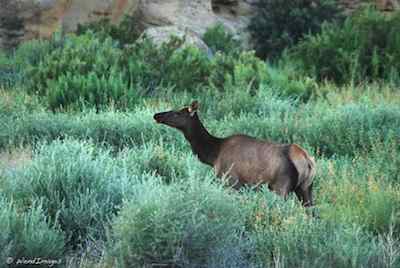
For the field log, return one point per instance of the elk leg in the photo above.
(282, 187)
(305, 195)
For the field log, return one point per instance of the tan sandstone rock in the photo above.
(26, 19)
(163, 34)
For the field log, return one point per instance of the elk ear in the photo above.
(193, 107)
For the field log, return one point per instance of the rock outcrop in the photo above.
(163, 34)
(26, 19)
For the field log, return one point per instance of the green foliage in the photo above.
(33, 52)
(219, 39)
(151, 66)
(286, 81)
(125, 32)
(243, 70)
(85, 70)
(285, 236)
(363, 49)
(331, 130)
(90, 70)
(80, 55)
(8, 76)
(158, 161)
(28, 235)
(109, 128)
(279, 24)
(363, 190)
(16, 65)
(14, 103)
(75, 90)
(177, 225)
(78, 186)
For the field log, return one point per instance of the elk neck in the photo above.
(203, 144)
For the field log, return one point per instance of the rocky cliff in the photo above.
(26, 19)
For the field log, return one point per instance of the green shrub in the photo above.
(153, 66)
(8, 74)
(176, 225)
(78, 186)
(125, 32)
(79, 91)
(108, 128)
(285, 236)
(279, 24)
(89, 71)
(80, 55)
(17, 102)
(243, 70)
(363, 49)
(218, 39)
(27, 235)
(84, 71)
(156, 160)
(362, 190)
(287, 81)
(31, 53)
(343, 130)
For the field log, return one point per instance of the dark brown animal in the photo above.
(246, 160)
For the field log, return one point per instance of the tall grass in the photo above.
(28, 235)
(330, 130)
(77, 185)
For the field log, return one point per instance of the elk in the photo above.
(245, 160)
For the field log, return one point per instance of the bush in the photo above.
(363, 49)
(28, 235)
(168, 65)
(156, 160)
(287, 81)
(218, 39)
(279, 24)
(243, 70)
(33, 52)
(89, 71)
(363, 190)
(84, 71)
(13, 65)
(126, 32)
(108, 128)
(78, 186)
(17, 103)
(80, 55)
(285, 236)
(8, 74)
(182, 225)
(344, 130)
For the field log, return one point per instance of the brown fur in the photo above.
(244, 160)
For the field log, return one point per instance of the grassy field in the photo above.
(95, 182)
(115, 188)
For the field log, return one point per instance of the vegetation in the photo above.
(94, 182)
(218, 38)
(364, 48)
(279, 24)
(126, 32)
